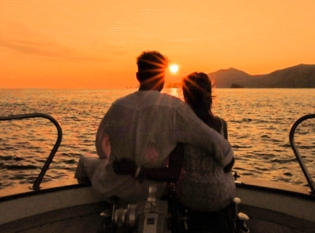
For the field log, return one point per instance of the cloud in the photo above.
(198, 39)
(37, 44)
(34, 48)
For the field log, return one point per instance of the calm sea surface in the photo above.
(259, 121)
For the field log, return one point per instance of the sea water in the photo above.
(258, 120)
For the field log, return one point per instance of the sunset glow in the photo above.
(94, 44)
(174, 68)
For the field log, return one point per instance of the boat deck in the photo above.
(86, 219)
(78, 219)
(266, 221)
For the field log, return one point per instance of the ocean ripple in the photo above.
(258, 120)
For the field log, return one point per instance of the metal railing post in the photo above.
(296, 152)
(36, 185)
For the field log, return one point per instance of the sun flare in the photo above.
(174, 68)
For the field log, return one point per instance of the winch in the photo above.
(155, 216)
(150, 216)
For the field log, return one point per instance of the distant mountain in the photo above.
(173, 85)
(300, 76)
(227, 77)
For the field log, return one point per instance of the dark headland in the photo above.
(300, 76)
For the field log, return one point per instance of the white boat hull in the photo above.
(77, 208)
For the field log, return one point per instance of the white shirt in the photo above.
(145, 126)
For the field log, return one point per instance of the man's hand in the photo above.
(125, 167)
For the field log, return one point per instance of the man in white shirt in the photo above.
(145, 127)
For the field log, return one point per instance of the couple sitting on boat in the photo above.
(149, 138)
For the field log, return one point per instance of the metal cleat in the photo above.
(240, 218)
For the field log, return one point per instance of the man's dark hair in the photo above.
(151, 61)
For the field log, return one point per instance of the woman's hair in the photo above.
(197, 91)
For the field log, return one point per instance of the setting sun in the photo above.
(174, 68)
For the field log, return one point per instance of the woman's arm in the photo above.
(166, 174)
(225, 129)
(227, 168)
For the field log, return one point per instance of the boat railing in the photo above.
(296, 151)
(36, 185)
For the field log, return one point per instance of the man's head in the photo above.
(151, 70)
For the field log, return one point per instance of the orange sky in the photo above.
(94, 44)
